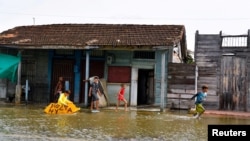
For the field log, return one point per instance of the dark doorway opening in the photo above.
(96, 68)
(64, 68)
(145, 94)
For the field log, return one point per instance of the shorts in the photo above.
(199, 108)
(94, 97)
(121, 97)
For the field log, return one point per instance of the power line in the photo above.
(133, 18)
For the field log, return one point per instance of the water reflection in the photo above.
(29, 123)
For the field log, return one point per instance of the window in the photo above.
(64, 52)
(144, 55)
(95, 53)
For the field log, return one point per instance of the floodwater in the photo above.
(30, 123)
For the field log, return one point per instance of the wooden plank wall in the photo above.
(181, 85)
(207, 59)
(181, 77)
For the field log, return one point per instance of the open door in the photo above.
(64, 68)
(145, 95)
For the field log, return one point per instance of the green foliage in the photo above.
(189, 59)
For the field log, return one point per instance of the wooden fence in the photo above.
(181, 85)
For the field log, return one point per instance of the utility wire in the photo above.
(132, 18)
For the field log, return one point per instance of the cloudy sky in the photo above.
(206, 16)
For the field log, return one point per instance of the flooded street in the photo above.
(30, 123)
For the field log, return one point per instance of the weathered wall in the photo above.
(209, 56)
(181, 85)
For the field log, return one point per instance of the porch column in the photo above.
(86, 78)
(133, 87)
(162, 107)
(18, 86)
(77, 86)
(88, 49)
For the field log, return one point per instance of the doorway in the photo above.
(145, 91)
(64, 68)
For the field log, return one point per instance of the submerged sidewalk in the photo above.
(207, 112)
(229, 113)
(157, 109)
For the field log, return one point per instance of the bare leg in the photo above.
(91, 105)
(97, 105)
(117, 104)
(116, 108)
(125, 105)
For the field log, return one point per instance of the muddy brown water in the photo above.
(30, 123)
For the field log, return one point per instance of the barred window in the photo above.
(95, 53)
(64, 52)
(144, 55)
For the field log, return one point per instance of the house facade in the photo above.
(223, 63)
(137, 55)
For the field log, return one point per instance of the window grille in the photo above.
(64, 52)
(234, 41)
(144, 55)
(95, 53)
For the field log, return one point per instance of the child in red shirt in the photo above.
(120, 97)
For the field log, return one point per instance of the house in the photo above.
(137, 55)
(224, 66)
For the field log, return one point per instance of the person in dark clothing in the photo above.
(93, 93)
(60, 88)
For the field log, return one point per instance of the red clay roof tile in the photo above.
(93, 34)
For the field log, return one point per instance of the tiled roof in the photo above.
(93, 34)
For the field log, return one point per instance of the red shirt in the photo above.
(121, 94)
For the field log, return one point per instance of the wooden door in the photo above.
(233, 87)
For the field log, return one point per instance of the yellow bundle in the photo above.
(56, 108)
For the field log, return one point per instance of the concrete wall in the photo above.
(113, 89)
